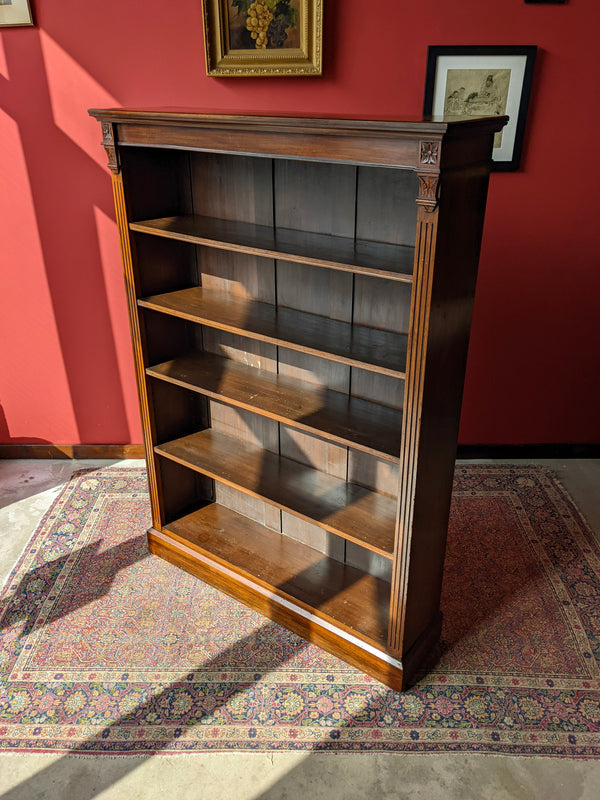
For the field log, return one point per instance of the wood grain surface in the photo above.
(318, 249)
(350, 421)
(379, 351)
(349, 510)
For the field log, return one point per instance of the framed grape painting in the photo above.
(246, 38)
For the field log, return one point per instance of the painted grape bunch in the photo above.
(267, 21)
(257, 22)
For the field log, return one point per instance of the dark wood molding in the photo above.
(428, 190)
(426, 235)
(430, 152)
(109, 144)
(74, 451)
(522, 452)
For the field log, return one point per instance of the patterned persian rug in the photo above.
(106, 649)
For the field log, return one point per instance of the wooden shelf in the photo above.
(346, 509)
(349, 421)
(378, 351)
(390, 261)
(348, 596)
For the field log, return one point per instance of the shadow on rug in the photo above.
(106, 649)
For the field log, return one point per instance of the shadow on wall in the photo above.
(6, 439)
(36, 447)
(68, 238)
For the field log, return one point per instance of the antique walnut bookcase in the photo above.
(300, 295)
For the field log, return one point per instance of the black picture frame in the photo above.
(512, 69)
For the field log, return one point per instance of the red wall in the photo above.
(65, 362)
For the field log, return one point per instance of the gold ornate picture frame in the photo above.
(253, 38)
(15, 12)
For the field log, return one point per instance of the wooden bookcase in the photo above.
(300, 295)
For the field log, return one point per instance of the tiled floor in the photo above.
(26, 490)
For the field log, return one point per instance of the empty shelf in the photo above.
(349, 421)
(346, 509)
(368, 348)
(379, 259)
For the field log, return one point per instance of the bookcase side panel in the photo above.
(131, 291)
(155, 182)
(437, 361)
(458, 244)
(425, 249)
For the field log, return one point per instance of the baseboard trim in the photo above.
(71, 451)
(524, 452)
(519, 452)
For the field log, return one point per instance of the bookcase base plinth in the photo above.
(308, 623)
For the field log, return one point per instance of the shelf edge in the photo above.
(199, 319)
(390, 458)
(280, 255)
(387, 553)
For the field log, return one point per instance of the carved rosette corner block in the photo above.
(430, 153)
(108, 141)
(428, 190)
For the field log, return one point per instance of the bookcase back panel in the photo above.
(371, 563)
(381, 304)
(317, 291)
(240, 274)
(244, 426)
(341, 462)
(232, 187)
(379, 388)
(385, 205)
(311, 196)
(326, 457)
(255, 430)
(313, 370)
(249, 507)
(314, 452)
(373, 473)
(257, 354)
(314, 537)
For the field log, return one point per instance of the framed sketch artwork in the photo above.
(15, 12)
(246, 38)
(483, 81)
